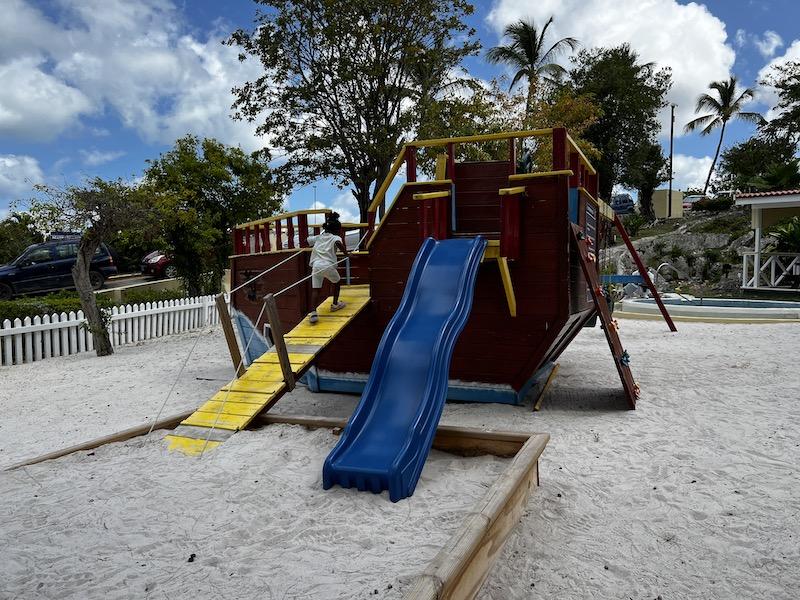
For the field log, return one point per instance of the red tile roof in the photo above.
(776, 193)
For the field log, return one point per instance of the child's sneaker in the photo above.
(313, 317)
(338, 306)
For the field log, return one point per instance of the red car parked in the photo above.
(159, 264)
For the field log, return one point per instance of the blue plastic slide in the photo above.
(388, 437)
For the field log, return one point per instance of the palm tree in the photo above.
(526, 53)
(727, 106)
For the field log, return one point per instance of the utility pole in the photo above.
(671, 136)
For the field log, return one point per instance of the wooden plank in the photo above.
(244, 409)
(189, 446)
(276, 329)
(230, 336)
(221, 421)
(508, 287)
(461, 567)
(601, 306)
(254, 385)
(120, 436)
(643, 272)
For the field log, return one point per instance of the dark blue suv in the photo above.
(48, 267)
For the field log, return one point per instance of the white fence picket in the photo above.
(34, 339)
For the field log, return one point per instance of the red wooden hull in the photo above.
(550, 288)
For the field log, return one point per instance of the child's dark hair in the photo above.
(332, 223)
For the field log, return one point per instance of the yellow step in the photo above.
(245, 397)
(189, 446)
(204, 419)
(255, 385)
(242, 409)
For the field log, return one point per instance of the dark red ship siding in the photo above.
(552, 304)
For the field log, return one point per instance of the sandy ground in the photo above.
(56, 403)
(696, 494)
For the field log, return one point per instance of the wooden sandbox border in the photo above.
(462, 565)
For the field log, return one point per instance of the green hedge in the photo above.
(59, 302)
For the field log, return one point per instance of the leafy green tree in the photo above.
(752, 159)
(17, 232)
(785, 79)
(97, 210)
(202, 189)
(531, 56)
(778, 177)
(629, 95)
(726, 106)
(342, 83)
(648, 170)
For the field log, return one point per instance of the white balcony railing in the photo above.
(770, 270)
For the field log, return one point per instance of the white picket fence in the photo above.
(29, 340)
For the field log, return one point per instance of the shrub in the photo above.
(144, 296)
(66, 301)
(633, 223)
(46, 305)
(787, 235)
(675, 252)
(715, 205)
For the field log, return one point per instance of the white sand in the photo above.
(696, 494)
(59, 402)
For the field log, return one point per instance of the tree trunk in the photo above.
(94, 318)
(531, 101)
(646, 203)
(716, 156)
(363, 197)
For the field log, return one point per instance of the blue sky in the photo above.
(96, 87)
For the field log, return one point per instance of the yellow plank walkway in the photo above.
(262, 385)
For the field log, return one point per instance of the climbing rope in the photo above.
(249, 281)
(250, 339)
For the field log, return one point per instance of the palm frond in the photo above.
(700, 122)
(706, 102)
(508, 55)
(517, 76)
(751, 117)
(559, 48)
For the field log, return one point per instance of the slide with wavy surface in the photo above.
(390, 433)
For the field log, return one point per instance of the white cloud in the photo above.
(690, 171)
(35, 105)
(767, 94)
(93, 158)
(18, 174)
(685, 37)
(768, 44)
(344, 203)
(130, 57)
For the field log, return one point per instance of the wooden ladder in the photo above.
(621, 358)
(643, 272)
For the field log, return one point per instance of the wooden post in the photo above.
(411, 164)
(451, 161)
(278, 236)
(574, 166)
(290, 233)
(240, 241)
(276, 329)
(266, 245)
(592, 185)
(257, 236)
(559, 149)
(230, 336)
(370, 229)
(302, 230)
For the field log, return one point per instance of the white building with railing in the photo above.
(770, 270)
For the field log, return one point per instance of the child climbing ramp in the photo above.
(323, 263)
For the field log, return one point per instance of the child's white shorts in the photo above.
(320, 273)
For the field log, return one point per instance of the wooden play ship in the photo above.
(538, 284)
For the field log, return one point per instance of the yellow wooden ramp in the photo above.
(262, 385)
